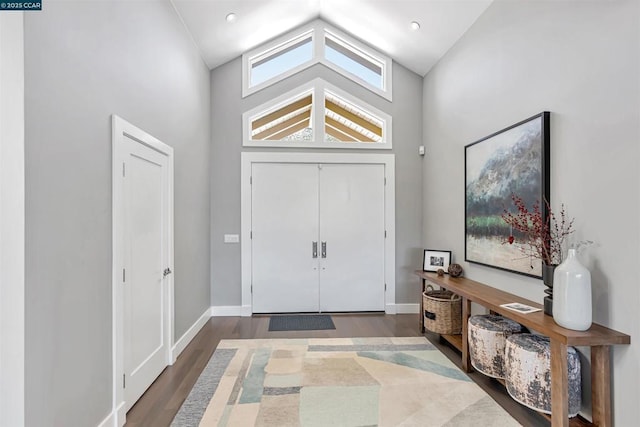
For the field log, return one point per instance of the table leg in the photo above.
(601, 385)
(466, 312)
(559, 385)
(422, 306)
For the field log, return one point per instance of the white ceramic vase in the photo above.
(572, 294)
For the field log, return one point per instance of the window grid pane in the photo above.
(293, 122)
(281, 60)
(352, 60)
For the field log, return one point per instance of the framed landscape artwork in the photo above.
(514, 160)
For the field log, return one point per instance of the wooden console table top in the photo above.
(492, 298)
(598, 337)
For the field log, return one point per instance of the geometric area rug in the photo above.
(313, 382)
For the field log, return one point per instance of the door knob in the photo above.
(167, 271)
(314, 249)
(324, 249)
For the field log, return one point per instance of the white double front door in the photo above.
(318, 234)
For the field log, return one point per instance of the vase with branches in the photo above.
(539, 233)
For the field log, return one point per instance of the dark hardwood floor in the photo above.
(163, 399)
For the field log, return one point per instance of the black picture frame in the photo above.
(514, 160)
(435, 259)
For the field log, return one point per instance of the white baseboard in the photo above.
(186, 338)
(226, 310)
(116, 418)
(407, 308)
(246, 311)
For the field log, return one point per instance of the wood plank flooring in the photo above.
(163, 399)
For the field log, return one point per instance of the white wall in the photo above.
(11, 219)
(227, 108)
(83, 62)
(579, 60)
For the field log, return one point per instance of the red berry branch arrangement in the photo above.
(539, 237)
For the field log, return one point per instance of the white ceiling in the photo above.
(383, 24)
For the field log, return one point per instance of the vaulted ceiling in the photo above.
(383, 24)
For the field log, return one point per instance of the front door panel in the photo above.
(284, 225)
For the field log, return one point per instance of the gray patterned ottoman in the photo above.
(487, 337)
(528, 373)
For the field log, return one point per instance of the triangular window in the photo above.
(317, 115)
(316, 43)
(291, 122)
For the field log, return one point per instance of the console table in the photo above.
(599, 338)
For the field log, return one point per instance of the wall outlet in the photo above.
(421, 150)
(231, 238)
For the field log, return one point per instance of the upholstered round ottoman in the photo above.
(528, 373)
(487, 337)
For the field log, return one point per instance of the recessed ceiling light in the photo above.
(415, 26)
(231, 17)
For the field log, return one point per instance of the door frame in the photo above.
(388, 160)
(12, 220)
(122, 129)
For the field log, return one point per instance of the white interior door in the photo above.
(284, 218)
(352, 231)
(146, 255)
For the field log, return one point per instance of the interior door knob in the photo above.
(167, 271)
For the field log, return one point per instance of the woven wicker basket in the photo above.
(442, 311)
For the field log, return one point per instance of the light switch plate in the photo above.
(231, 238)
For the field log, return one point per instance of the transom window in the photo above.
(353, 60)
(291, 122)
(346, 122)
(287, 56)
(317, 115)
(316, 43)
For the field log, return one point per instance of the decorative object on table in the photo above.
(513, 160)
(528, 373)
(488, 335)
(455, 270)
(520, 308)
(442, 311)
(440, 272)
(435, 259)
(547, 280)
(572, 294)
(539, 234)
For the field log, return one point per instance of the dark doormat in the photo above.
(301, 322)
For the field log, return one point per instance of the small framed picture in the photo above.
(434, 260)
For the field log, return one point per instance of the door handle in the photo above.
(167, 271)
(314, 249)
(324, 249)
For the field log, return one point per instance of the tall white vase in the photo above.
(572, 294)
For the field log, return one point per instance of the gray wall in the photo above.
(83, 62)
(581, 62)
(226, 112)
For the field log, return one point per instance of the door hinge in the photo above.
(385, 234)
(385, 287)
(385, 180)
(251, 235)
(250, 180)
(124, 275)
(251, 288)
(123, 169)
(124, 381)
